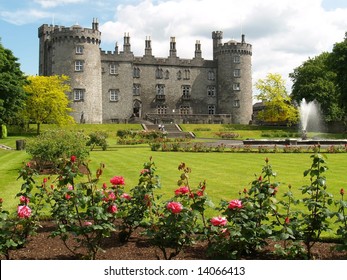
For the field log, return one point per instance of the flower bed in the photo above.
(86, 215)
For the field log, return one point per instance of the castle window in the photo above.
(237, 59)
(185, 90)
(167, 74)
(160, 89)
(78, 94)
(136, 89)
(211, 109)
(159, 73)
(79, 49)
(236, 103)
(114, 95)
(186, 74)
(136, 72)
(161, 109)
(184, 110)
(211, 75)
(113, 69)
(179, 75)
(211, 91)
(79, 65)
(237, 73)
(236, 86)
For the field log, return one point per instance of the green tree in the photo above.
(47, 101)
(313, 80)
(12, 96)
(277, 102)
(338, 62)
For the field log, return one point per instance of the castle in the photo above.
(116, 86)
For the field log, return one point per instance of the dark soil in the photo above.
(41, 247)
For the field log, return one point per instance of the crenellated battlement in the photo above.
(58, 33)
(235, 48)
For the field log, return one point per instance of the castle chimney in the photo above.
(95, 24)
(126, 45)
(148, 47)
(197, 49)
(243, 39)
(173, 52)
(116, 48)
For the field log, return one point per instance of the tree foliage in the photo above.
(47, 101)
(338, 63)
(277, 102)
(12, 79)
(314, 80)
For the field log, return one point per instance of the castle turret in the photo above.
(74, 51)
(234, 76)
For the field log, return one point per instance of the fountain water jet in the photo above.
(310, 117)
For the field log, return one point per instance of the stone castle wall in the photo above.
(119, 72)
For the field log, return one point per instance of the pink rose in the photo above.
(24, 199)
(70, 187)
(126, 196)
(144, 171)
(117, 180)
(112, 209)
(182, 190)
(235, 204)
(174, 207)
(218, 221)
(111, 196)
(87, 224)
(23, 211)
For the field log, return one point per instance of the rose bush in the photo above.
(88, 211)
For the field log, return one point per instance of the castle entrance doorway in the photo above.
(137, 105)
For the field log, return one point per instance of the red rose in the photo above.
(342, 191)
(117, 180)
(73, 158)
(126, 196)
(112, 209)
(174, 207)
(182, 190)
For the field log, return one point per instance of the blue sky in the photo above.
(283, 33)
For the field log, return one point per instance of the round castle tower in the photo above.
(74, 51)
(234, 78)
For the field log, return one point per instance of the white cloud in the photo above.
(283, 33)
(24, 16)
(55, 3)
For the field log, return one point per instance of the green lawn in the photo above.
(226, 173)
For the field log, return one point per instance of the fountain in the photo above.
(310, 121)
(310, 118)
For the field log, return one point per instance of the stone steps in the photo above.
(4, 147)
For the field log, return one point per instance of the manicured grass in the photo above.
(225, 173)
(253, 132)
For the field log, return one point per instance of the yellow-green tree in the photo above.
(47, 100)
(278, 107)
